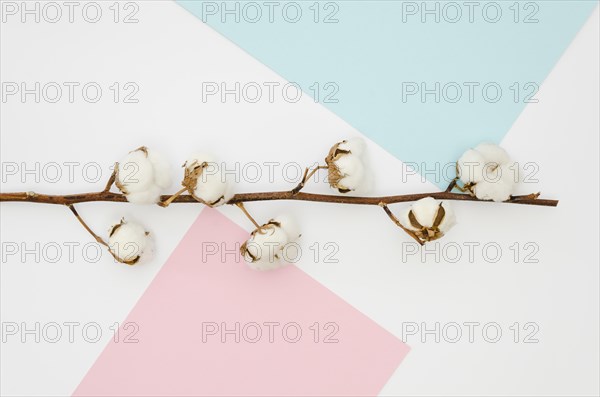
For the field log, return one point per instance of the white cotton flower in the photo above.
(346, 166)
(206, 181)
(488, 172)
(143, 175)
(162, 169)
(498, 184)
(266, 247)
(470, 166)
(128, 242)
(493, 153)
(354, 145)
(289, 226)
(428, 218)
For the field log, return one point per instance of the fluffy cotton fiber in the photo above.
(206, 181)
(347, 171)
(488, 172)
(425, 212)
(129, 242)
(143, 175)
(266, 246)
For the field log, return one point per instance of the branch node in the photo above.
(451, 185)
(86, 227)
(307, 175)
(168, 202)
(111, 180)
(243, 208)
(400, 225)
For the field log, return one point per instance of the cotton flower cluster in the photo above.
(142, 176)
(128, 242)
(428, 219)
(266, 248)
(488, 173)
(345, 165)
(205, 181)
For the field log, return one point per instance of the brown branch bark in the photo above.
(86, 227)
(32, 197)
(391, 215)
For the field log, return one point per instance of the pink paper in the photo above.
(180, 350)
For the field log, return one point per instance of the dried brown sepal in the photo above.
(260, 230)
(334, 175)
(190, 181)
(115, 228)
(143, 149)
(244, 251)
(130, 262)
(465, 188)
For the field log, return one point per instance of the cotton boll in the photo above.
(351, 182)
(352, 170)
(499, 174)
(498, 185)
(162, 169)
(493, 153)
(142, 176)
(366, 184)
(205, 180)
(289, 226)
(266, 247)
(135, 173)
(128, 242)
(263, 251)
(432, 219)
(349, 164)
(346, 169)
(211, 190)
(425, 210)
(471, 166)
(498, 191)
(354, 145)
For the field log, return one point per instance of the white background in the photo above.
(560, 134)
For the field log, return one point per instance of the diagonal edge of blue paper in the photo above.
(373, 63)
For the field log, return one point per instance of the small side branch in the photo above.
(243, 208)
(86, 227)
(169, 200)
(112, 179)
(400, 225)
(452, 185)
(532, 196)
(307, 175)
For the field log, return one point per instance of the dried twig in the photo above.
(32, 197)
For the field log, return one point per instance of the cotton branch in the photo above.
(307, 175)
(32, 197)
(483, 174)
